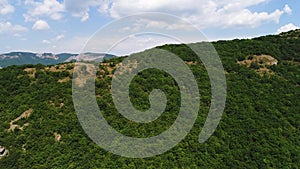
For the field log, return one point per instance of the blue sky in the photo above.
(66, 25)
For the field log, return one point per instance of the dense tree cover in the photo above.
(259, 128)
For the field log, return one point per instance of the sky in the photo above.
(60, 26)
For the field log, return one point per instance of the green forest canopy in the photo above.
(259, 128)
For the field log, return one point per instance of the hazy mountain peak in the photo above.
(21, 58)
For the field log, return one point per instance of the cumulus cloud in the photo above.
(287, 27)
(9, 28)
(205, 13)
(202, 13)
(40, 25)
(46, 8)
(6, 8)
(80, 8)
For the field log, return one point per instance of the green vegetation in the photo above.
(260, 127)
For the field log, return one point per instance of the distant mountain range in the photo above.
(22, 58)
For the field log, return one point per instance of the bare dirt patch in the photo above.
(60, 68)
(66, 79)
(191, 63)
(13, 126)
(57, 137)
(31, 72)
(109, 68)
(264, 71)
(127, 67)
(260, 63)
(61, 105)
(263, 60)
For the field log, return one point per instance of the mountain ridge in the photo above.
(23, 58)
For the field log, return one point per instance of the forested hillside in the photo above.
(260, 127)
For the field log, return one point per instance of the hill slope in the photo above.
(260, 127)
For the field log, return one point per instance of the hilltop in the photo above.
(295, 34)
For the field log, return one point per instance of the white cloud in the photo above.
(47, 8)
(84, 16)
(287, 9)
(155, 23)
(46, 42)
(205, 13)
(59, 37)
(54, 40)
(6, 8)
(202, 13)
(80, 8)
(104, 7)
(9, 28)
(40, 25)
(245, 18)
(287, 27)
